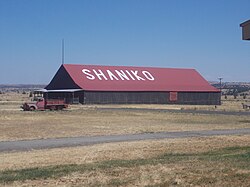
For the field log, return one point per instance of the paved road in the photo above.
(188, 111)
(91, 140)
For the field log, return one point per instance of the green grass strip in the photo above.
(238, 155)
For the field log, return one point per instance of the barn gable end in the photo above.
(62, 80)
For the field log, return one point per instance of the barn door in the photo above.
(173, 96)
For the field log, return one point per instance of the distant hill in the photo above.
(18, 87)
(230, 88)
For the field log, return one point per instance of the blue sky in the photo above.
(200, 34)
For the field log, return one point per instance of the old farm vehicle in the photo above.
(40, 103)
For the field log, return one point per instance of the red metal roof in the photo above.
(125, 78)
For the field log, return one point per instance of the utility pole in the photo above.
(220, 78)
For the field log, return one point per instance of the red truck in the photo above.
(40, 103)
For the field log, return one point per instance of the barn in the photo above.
(94, 84)
(245, 30)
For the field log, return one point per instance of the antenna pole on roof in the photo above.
(62, 51)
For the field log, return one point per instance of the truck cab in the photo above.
(37, 103)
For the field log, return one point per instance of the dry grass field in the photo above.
(81, 120)
(213, 161)
(206, 161)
